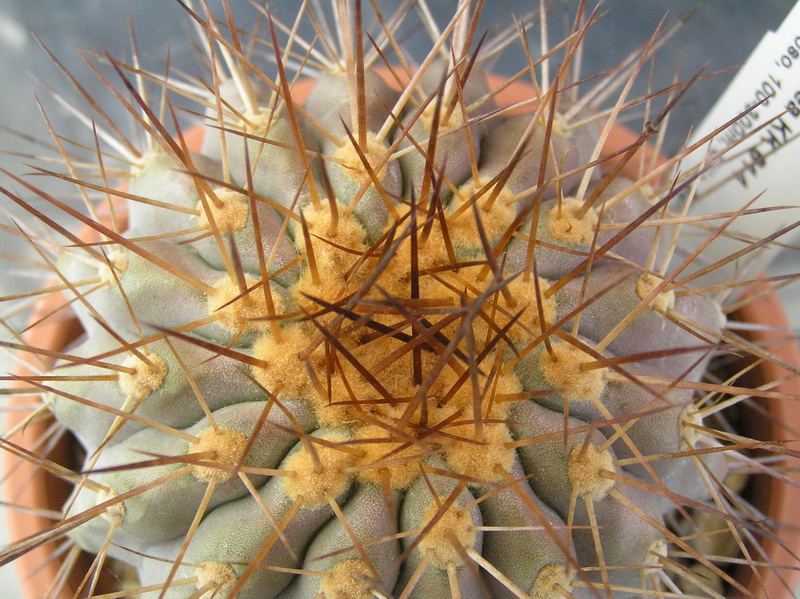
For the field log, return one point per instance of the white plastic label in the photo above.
(766, 161)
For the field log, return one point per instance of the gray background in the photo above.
(720, 35)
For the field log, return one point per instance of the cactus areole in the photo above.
(396, 339)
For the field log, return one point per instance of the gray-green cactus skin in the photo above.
(339, 380)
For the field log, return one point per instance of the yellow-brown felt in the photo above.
(396, 459)
(115, 512)
(240, 311)
(257, 123)
(664, 301)
(312, 483)
(221, 576)
(585, 469)
(659, 549)
(524, 294)
(446, 121)
(493, 403)
(285, 371)
(431, 253)
(553, 581)
(347, 580)
(118, 261)
(495, 218)
(227, 445)
(348, 232)
(562, 371)
(484, 458)
(230, 214)
(146, 378)
(689, 420)
(454, 525)
(335, 249)
(352, 164)
(565, 224)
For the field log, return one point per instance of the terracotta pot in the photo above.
(26, 485)
(779, 420)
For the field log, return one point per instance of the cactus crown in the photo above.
(394, 337)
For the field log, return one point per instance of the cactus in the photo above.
(394, 339)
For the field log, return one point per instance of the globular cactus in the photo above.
(394, 339)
